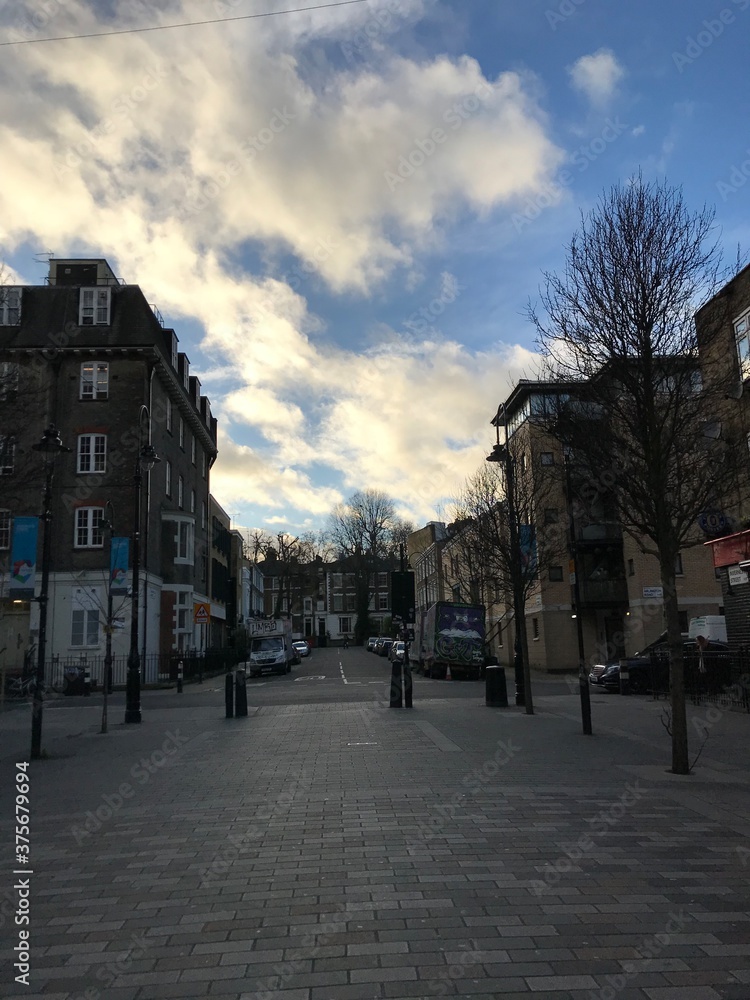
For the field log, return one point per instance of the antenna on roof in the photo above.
(44, 257)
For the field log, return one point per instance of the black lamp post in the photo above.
(501, 453)
(583, 683)
(146, 459)
(50, 446)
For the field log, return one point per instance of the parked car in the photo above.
(649, 669)
(385, 647)
(398, 651)
(377, 648)
(596, 673)
(301, 647)
(371, 643)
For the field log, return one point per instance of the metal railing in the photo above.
(724, 679)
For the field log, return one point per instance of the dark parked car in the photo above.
(649, 669)
(384, 648)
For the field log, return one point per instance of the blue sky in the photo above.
(344, 212)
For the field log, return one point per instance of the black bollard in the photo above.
(87, 680)
(229, 695)
(496, 690)
(240, 694)
(624, 677)
(179, 677)
(407, 685)
(396, 691)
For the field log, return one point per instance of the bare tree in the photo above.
(619, 328)
(363, 530)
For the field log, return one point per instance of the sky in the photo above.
(345, 212)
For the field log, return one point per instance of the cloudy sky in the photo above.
(344, 212)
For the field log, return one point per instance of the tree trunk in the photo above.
(680, 759)
(520, 613)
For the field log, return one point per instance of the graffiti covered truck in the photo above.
(453, 636)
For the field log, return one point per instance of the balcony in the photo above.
(605, 532)
(603, 593)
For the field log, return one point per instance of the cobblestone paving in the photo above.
(348, 852)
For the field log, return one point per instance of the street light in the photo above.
(50, 446)
(146, 459)
(583, 683)
(501, 454)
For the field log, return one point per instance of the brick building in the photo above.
(87, 353)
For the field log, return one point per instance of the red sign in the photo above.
(731, 549)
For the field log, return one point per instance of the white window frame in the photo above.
(203, 514)
(10, 306)
(86, 520)
(174, 350)
(205, 467)
(94, 381)
(742, 343)
(168, 415)
(382, 602)
(192, 448)
(168, 478)
(6, 524)
(7, 454)
(94, 306)
(184, 542)
(89, 627)
(182, 433)
(91, 454)
(345, 626)
(192, 501)
(180, 492)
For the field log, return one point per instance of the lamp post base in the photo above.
(133, 696)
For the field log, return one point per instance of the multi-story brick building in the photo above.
(88, 354)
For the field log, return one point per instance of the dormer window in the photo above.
(94, 307)
(10, 306)
(174, 351)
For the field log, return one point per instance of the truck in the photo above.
(270, 646)
(453, 637)
(713, 627)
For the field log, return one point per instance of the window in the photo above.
(338, 581)
(338, 602)
(89, 528)
(192, 448)
(180, 491)
(742, 340)
(345, 626)
(4, 529)
(182, 434)
(168, 416)
(10, 306)
(547, 458)
(678, 564)
(535, 628)
(7, 454)
(9, 375)
(92, 453)
(183, 610)
(382, 602)
(94, 380)
(556, 574)
(631, 567)
(550, 515)
(174, 350)
(85, 628)
(382, 579)
(93, 309)
(192, 501)
(168, 478)
(184, 542)
(204, 464)
(203, 514)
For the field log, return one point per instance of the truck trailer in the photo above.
(453, 636)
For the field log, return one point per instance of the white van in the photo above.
(713, 627)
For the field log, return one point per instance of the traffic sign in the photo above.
(201, 613)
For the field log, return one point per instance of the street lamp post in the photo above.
(50, 446)
(583, 683)
(146, 459)
(501, 453)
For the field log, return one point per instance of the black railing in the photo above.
(718, 677)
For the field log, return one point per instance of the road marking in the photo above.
(312, 677)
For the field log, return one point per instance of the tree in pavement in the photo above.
(617, 324)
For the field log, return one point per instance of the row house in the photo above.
(87, 353)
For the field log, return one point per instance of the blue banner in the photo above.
(527, 545)
(118, 566)
(23, 557)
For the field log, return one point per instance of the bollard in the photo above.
(407, 686)
(240, 694)
(229, 695)
(396, 691)
(496, 689)
(624, 677)
(179, 677)
(87, 680)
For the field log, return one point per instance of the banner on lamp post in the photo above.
(23, 557)
(118, 566)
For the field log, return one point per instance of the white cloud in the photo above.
(597, 76)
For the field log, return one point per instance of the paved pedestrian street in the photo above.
(325, 849)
